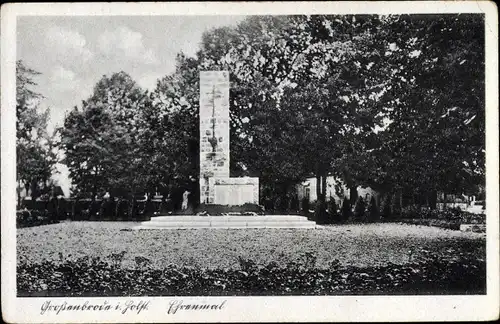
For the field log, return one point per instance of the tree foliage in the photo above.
(391, 102)
(34, 145)
(174, 121)
(434, 105)
(103, 140)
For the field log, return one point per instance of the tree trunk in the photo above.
(380, 198)
(318, 187)
(432, 199)
(286, 195)
(323, 188)
(94, 186)
(117, 208)
(131, 206)
(18, 197)
(35, 192)
(353, 195)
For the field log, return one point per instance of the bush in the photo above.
(373, 212)
(94, 207)
(52, 209)
(107, 209)
(87, 209)
(429, 213)
(305, 206)
(80, 209)
(386, 210)
(310, 215)
(62, 208)
(30, 218)
(320, 213)
(333, 212)
(268, 204)
(277, 205)
(453, 217)
(91, 277)
(396, 207)
(452, 225)
(294, 204)
(359, 209)
(41, 212)
(285, 204)
(346, 210)
(31, 204)
(144, 210)
(122, 209)
(411, 212)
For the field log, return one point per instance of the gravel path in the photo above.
(353, 244)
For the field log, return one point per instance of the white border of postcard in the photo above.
(252, 309)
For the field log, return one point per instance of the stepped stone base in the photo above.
(222, 222)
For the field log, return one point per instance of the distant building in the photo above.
(467, 203)
(308, 189)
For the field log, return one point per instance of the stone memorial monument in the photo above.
(216, 185)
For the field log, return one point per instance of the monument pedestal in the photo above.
(235, 191)
(227, 222)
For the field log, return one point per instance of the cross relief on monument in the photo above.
(213, 139)
(216, 187)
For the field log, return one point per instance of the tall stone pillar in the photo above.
(214, 131)
(216, 187)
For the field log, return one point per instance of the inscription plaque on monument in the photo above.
(216, 187)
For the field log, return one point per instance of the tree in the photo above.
(84, 138)
(334, 215)
(373, 210)
(104, 140)
(359, 209)
(35, 154)
(346, 210)
(434, 101)
(256, 118)
(369, 97)
(175, 126)
(295, 91)
(385, 207)
(26, 101)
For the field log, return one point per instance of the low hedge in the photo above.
(89, 210)
(27, 218)
(91, 277)
(450, 218)
(453, 225)
(111, 210)
(449, 214)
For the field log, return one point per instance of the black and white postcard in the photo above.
(250, 162)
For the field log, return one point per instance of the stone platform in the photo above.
(225, 222)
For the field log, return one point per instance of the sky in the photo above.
(73, 53)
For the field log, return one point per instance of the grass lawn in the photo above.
(353, 245)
